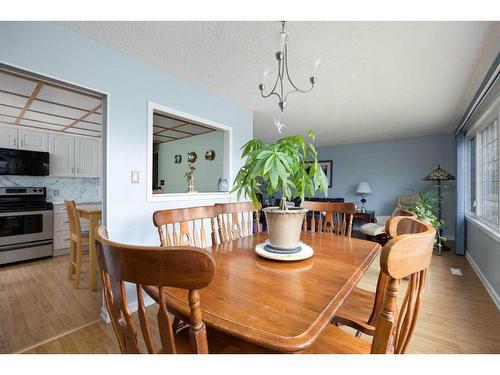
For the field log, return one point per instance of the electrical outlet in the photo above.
(56, 192)
(134, 177)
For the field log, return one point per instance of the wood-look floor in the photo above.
(457, 315)
(38, 303)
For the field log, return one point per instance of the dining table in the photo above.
(92, 213)
(280, 305)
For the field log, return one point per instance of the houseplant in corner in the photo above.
(289, 167)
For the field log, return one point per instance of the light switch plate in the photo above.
(134, 177)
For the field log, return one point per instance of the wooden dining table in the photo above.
(93, 213)
(283, 306)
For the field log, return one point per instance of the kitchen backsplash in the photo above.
(78, 189)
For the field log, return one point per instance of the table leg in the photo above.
(92, 253)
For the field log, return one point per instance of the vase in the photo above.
(222, 185)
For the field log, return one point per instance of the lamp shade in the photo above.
(439, 174)
(363, 188)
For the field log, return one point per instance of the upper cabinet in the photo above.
(32, 140)
(8, 136)
(73, 156)
(86, 157)
(21, 138)
(62, 155)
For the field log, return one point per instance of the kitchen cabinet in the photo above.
(74, 156)
(62, 155)
(8, 136)
(86, 157)
(32, 140)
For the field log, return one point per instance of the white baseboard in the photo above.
(489, 288)
(132, 306)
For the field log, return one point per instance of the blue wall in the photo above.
(392, 168)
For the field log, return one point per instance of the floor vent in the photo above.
(456, 272)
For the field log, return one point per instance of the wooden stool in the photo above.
(77, 240)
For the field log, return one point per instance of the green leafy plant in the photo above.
(289, 166)
(426, 209)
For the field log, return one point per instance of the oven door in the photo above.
(23, 227)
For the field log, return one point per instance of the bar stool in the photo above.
(77, 239)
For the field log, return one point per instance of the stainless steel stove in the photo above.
(26, 224)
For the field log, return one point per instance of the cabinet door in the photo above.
(8, 136)
(33, 140)
(62, 155)
(86, 157)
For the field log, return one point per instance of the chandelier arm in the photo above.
(274, 87)
(300, 91)
(290, 79)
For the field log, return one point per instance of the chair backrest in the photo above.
(75, 228)
(186, 226)
(405, 201)
(235, 220)
(188, 268)
(334, 217)
(408, 253)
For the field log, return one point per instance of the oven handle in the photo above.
(25, 244)
(25, 213)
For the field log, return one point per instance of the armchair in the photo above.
(376, 231)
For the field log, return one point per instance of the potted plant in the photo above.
(426, 207)
(289, 167)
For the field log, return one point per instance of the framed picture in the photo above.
(326, 166)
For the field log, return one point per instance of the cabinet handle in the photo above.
(15, 142)
(72, 170)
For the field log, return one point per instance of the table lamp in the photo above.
(363, 188)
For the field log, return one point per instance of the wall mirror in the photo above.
(188, 155)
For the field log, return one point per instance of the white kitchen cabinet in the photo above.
(8, 136)
(62, 155)
(32, 140)
(86, 157)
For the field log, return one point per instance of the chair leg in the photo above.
(72, 260)
(79, 255)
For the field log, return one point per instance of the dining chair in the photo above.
(407, 254)
(77, 238)
(183, 267)
(333, 217)
(236, 220)
(187, 226)
(362, 308)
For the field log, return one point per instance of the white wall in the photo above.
(207, 173)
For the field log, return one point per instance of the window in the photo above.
(483, 156)
(489, 173)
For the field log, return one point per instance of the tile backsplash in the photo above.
(78, 189)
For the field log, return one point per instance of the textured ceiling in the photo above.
(377, 80)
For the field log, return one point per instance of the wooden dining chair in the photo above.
(187, 226)
(184, 267)
(236, 220)
(77, 238)
(362, 307)
(333, 217)
(404, 255)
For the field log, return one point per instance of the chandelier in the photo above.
(279, 88)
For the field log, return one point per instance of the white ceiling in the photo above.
(52, 107)
(377, 80)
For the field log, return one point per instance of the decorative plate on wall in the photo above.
(178, 159)
(210, 155)
(192, 157)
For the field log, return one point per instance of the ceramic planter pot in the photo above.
(284, 226)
